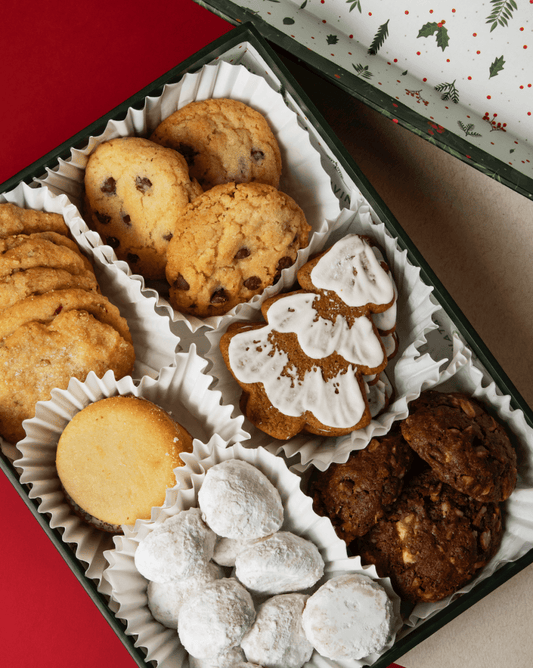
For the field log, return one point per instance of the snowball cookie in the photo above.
(165, 599)
(349, 617)
(233, 658)
(277, 638)
(240, 502)
(215, 618)
(175, 549)
(278, 564)
(227, 549)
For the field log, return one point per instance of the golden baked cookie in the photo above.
(134, 191)
(18, 220)
(38, 280)
(116, 459)
(230, 244)
(223, 141)
(41, 250)
(38, 356)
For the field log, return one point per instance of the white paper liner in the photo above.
(153, 340)
(128, 587)
(182, 390)
(407, 371)
(303, 177)
(462, 375)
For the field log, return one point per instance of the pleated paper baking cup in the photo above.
(128, 587)
(303, 176)
(406, 371)
(153, 340)
(464, 374)
(182, 390)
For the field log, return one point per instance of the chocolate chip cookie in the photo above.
(466, 447)
(230, 244)
(356, 494)
(433, 541)
(223, 141)
(135, 191)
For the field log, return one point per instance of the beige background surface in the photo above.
(477, 236)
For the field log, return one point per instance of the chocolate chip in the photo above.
(257, 155)
(220, 296)
(109, 186)
(142, 183)
(242, 253)
(58, 310)
(168, 237)
(187, 152)
(103, 218)
(113, 242)
(181, 284)
(132, 258)
(284, 263)
(252, 283)
(126, 219)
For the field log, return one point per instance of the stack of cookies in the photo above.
(422, 504)
(54, 322)
(198, 204)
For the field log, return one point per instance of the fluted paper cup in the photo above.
(181, 389)
(128, 587)
(303, 176)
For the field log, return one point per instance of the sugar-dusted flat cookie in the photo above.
(40, 355)
(304, 369)
(42, 249)
(19, 220)
(134, 191)
(230, 244)
(223, 141)
(38, 280)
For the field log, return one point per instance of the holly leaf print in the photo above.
(332, 39)
(496, 67)
(362, 71)
(354, 4)
(379, 38)
(438, 29)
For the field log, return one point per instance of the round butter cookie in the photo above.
(116, 459)
(223, 141)
(230, 244)
(135, 190)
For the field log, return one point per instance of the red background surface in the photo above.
(63, 65)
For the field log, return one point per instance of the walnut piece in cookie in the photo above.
(223, 141)
(433, 541)
(134, 192)
(230, 244)
(466, 447)
(356, 494)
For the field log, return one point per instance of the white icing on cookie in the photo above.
(165, 599)
(349, 617)
(215, 618)
(277, 638)
(386, 320)
(378, 393)
(283, 562)
(351, 269)
(238, 501)
(175, 549)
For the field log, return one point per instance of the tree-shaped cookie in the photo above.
(303, 369)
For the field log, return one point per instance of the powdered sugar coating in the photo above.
(176, 549)
(165, 599)
(349, 617)
(233, 658)
(227, 549)
(280, 563)
(277, 638)
(238, 501)
(215, 618)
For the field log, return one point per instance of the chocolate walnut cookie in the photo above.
(433, 541)
(466, 447)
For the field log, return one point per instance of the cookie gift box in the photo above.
(431, 317)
